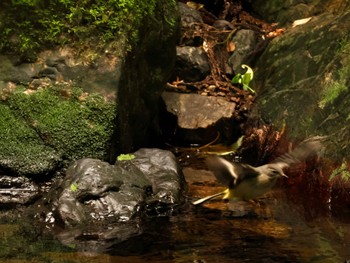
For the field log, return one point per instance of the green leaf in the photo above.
(237, 79)
(125, 157)
(249, 71)
(246, 78)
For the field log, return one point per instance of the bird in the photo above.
(246, 182)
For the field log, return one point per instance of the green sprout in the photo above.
(125, 157)
(74, 187)
(244, 79)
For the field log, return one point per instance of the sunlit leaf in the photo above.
(125, 157)
(248, 72)
(237, 79)
(244, 79)
(73, 187)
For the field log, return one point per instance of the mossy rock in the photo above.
(22, 151)
(53, 125)
(303, 78)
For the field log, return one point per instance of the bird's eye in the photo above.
(275, 172)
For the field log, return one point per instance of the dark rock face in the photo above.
(142, 81)
(94, 190)
(285, 12)
(301, 79)
(192, 63)
(166, 177)
(102, 205)
(245, 41)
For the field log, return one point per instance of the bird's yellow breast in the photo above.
(251, 188)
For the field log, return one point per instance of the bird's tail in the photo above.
(209, 197)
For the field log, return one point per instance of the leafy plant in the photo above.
(244, 79)
(28, 25)
(342, 171)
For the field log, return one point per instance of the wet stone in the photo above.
(94, 190)
(192, 63)
(17, 190)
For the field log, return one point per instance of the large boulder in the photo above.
(197, 119)
(284, 12)
(45, 128)
(150, 183)
(101, 205)
(302, 80)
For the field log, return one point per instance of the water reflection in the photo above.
(289, 224)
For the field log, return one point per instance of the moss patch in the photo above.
(66, 124)
(336, 87)
(22, 150)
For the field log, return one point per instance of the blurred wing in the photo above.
(228, 173)
(308, 148)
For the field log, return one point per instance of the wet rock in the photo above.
(223, 25)
(94, 190)
(189, 16)
(9, 72)
(168, 183)
(285, 12)
(197, 119)
(49, 72)
(192, 63)
(302, 79)
(195, 111)
(245, 41)
(17, 190)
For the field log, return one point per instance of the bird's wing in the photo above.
(228, 173)
(308, 148)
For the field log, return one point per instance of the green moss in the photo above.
(342, 171)
(335, 88)
(21, 148)
(74, 128)
(28, 25)
(331, 92)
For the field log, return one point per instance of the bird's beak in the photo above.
(284, 175)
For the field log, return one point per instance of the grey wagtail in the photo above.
(246, 182)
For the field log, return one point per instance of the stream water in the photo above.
(286, 225)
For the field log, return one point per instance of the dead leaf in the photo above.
(301, 21)
(230, 47)
(277, 32)
(205, 46)
(194, 5)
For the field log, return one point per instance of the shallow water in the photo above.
(278, 228)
